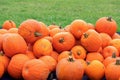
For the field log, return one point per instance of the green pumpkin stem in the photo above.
(85, 35)
(114, 55)
(37, 34)
(109, 19)
(117, 61)
(61, 40)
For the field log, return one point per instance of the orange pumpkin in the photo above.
(55, 55)
(106, 25)
(109, 50)
(69, 69)
(90, 26)
(115, 43)
(1, 42)
(49, 38)
(42, 47)
(109, 60)
(67, 28)
(95, 70)
(52, 26)
(94, 56)
(79, 52)
(55, 31)
(35, 69)
(51, 62)
(91, 40)
(32, 30)
(3, 31)
(14, 44)
(116, 36)
(5, 60)
(30, 54)
(83, 62)
(105, 39)
(78, 27)
(16, 64)
(2, 68)
(112, 71)
(8, 24)
(63, 41)
(64, 54)
(13, 30)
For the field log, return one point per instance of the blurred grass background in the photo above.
(60, 12)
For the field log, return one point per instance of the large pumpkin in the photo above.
(112, 71)
(31, 30)
(14, 44)
(69, 69)
(63, 41)
(91, 40)
(106, 25)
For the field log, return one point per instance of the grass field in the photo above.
(61, 12)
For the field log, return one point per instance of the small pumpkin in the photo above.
(91, 40)
(42, 47)
(2, 69)
(8, 24)
(13, 30)
(69, 69)
(16, 64)
(116, 36)
(106, 25)
(32, 30)
(51, 62)
(55, 55)
(90, 26)
(78, 27)
(79, 52)
(112, 71)
(35, 69)
(95, 70)
(63, 41)
(3, 31)
(14, 44)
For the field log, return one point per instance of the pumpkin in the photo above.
(110, 59)
(106, 25)
(105, 39)
(78, 27)
(8, 24)
(30, 54)
(55, 31)
(51, 62)
(64, 54)
(69, 69)
(91, 40)
(83, 62)
(42, 47)
(79, 52)
(115, 43)
(1, 42)
(14, 44)
(63, 41)
(35, 69)
(2, 68)
(95, 70)
(52, 26)
(4, 59)
(109, 50)
(3, 31)
(48, 38)
(13, 30)
(32, 30)
(112, 71)
(116, 36)
(90, 26)
(67, 28)
(16, 64)
(94, 56)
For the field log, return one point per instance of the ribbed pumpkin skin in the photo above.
(14, 44)
(35, 70)
(32, 30)
(91, 40)
(105, 25)
(63, 41)
(68, 70)
(112, 71)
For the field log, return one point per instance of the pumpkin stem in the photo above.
(85, 35)
(37, 34)
(78, 53)
(114, 55)
(70, 53)
(118, 62)
(109, 19)
(61, 40)
(1, 53)
(88, 62)
(71, 59)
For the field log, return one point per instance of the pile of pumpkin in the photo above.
(33, 50)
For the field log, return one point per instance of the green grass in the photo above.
(61, 12)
